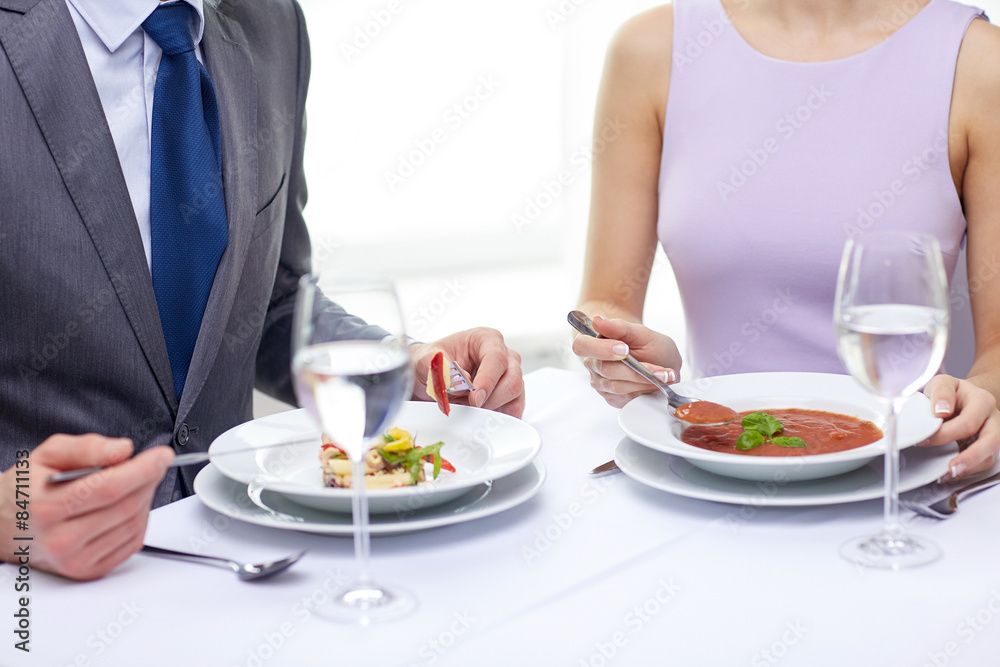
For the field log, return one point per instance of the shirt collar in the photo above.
(115, 20)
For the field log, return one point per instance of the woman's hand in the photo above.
(971, 418)
(615, 381)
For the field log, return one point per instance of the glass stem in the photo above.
(893, 528)
(362, 543)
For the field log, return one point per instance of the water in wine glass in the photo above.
(351, 368)
(891, 316)
(340, 382)
(892, 349)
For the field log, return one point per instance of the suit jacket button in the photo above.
(183, 435)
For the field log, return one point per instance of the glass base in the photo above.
(890, 552)
(364, 603)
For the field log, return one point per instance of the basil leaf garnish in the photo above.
(411, 459)
(783, 441)
(762, 423)
(749, 440)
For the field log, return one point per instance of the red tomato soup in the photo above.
(823, 433)
(705, 412)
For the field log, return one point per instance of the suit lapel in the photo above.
(21, 6)
(46, 55)
(227, 58)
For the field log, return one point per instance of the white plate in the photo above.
(229, 497)
(481, 444)
(647, 421)
(918, 466)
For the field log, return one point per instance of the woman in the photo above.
(790, 126)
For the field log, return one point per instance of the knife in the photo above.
(608, 468)
(180, 460)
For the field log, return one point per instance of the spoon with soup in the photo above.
(685, 408)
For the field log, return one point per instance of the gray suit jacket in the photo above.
(81, 347)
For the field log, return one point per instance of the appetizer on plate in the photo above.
(394, 460)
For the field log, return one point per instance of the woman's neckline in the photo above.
(860, 54)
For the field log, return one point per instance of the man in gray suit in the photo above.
(82, 348)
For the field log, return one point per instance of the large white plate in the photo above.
(483, 445)
(918, 466)
(647, 422)
(229, 497)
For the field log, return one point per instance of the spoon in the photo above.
(685, 409)
(245, 571)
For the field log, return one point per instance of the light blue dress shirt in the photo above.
(124, 60)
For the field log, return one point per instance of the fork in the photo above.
(944, 508)
(179, 461)
(460, 384)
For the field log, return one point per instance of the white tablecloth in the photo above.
(587, 573)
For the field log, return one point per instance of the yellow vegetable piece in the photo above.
(398, 440)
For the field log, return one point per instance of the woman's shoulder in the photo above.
(645, 39)
(981, 46)
(977, 74)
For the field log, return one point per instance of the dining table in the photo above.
(587, 572)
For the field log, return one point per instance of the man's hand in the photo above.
(495, 369)
(84, 528)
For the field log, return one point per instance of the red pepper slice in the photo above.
(439, 381)
(445, 463)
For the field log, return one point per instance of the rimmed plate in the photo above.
(673, 474)
(229, 497)
(482, 445)
(646, 421)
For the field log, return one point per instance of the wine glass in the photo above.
(891, 315)
(352, 371)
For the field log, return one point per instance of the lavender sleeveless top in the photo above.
(769, 166)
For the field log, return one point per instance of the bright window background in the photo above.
(474, 108)
(476, 228)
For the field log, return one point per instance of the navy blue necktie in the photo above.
(186, 206)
